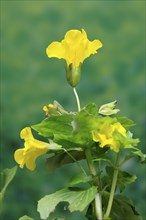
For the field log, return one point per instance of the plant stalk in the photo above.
(77, 99)
(98, 206)
(113, 187)
(90, 162)
(98, 199)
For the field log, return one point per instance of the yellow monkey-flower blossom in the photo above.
(105, 135)
(75, 47)
(33, 148)
(48, 109)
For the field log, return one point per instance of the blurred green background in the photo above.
(29, 80)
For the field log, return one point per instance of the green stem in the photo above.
(90, 162)
(79, 165)
(98, 199)
(77, 99)
(113, 187)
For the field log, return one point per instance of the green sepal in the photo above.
(78, 200)
(108, 109)
(54, 146)
(73, 74)
(59, 107)
(55, 109)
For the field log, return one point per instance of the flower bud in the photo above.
(50, 109)
(73, 74)
(108, 109)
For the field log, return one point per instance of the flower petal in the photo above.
(33, 149)
(31, 156)
(26, 133)
(75, 47)
(19, 157)
(31, 165)
(105, 135)
(36, 144)
(55, 49)
(73, 36)
(120, 128)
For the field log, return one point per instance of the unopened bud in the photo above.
(108, 109)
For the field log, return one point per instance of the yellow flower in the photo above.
(75, 47)
(105, 135)
(48, 109)
(54, 109)
(33, 149)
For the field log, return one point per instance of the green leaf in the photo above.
(135, 152)
(59, 219)
(80, 179)
(60, 159)
(78, 200)
(70, 130)
(91, 108)
(59, 128)
(122, 207)
(140, 155)
(124, 178)
(84, 123)
(126, 142)
(25, 217)
(7, 176)
(126, 122)
(55, 125)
